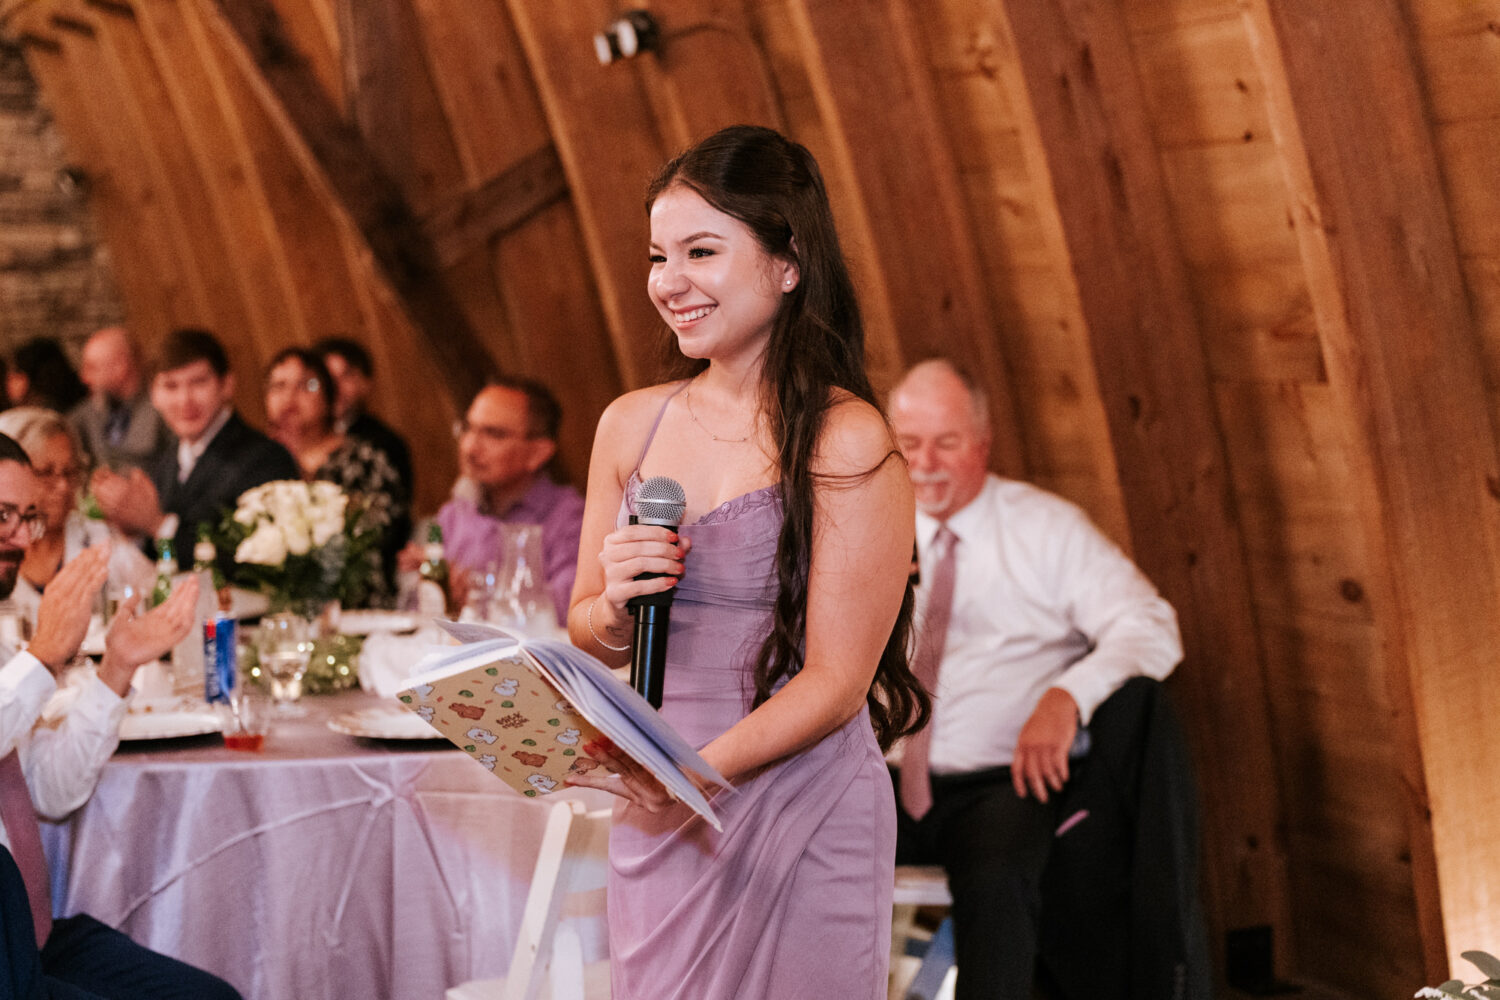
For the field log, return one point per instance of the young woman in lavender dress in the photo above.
(786, 658)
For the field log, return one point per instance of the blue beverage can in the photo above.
(220, 657)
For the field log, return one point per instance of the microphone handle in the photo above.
(648, 661)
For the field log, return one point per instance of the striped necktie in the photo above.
(916, 790)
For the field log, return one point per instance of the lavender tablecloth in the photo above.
(323, 866)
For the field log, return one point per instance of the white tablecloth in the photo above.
(323, 866)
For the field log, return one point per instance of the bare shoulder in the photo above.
(629, 417)
(855, 438)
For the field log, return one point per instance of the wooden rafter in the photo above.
(117, 8)
(375, 205)
(462, 224)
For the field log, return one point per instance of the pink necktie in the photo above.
(916, 792)
(25, 836)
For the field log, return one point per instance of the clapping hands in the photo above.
(62, 618)
(133, 640)
(128, 500)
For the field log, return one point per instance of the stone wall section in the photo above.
(55, 276)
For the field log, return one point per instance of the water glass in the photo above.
(525, 602)
(484, 590)
(284, 645)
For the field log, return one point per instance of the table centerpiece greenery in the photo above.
(311, 548)
(1456, 989)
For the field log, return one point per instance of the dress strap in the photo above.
(651, 435)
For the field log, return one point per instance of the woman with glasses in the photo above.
(56, 454)
(300, 412)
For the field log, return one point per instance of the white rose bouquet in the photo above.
(303, 544)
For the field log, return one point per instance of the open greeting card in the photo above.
(524, 709)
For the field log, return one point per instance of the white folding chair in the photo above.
(548, 958)
(916, 885)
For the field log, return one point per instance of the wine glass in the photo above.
(284, 645)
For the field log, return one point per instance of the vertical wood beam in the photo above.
(601, 123)
(374, 88)
(550, 324)
(1089, 148)
(693, 93)
(1405, 363)
(175, 175)
(340, 158)
(873, 90)
(195, 90)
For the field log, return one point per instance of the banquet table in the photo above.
(322, 866)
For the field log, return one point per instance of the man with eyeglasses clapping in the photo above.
(51, 768)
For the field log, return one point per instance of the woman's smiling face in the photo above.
(712, 282)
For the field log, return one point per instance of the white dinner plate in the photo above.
(170, 725)
(383, 724)
(365, 622)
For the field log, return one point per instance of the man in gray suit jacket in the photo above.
(119, 426)
(215, 458)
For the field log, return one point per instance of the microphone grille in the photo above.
(660, 500)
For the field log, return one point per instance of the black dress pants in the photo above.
(86, 960)
(994, 846)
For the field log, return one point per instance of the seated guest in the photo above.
(352, 370)
(299, 409)
(120, 427)
(215, 457)
(53, 768)
(40, 374)
(1030, 619)
(51, 443)
(505, 441)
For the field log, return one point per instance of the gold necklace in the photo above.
(688, 398)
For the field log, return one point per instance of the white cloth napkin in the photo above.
(387, 660)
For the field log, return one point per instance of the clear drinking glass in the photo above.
(524, 601)
(284, 645)
(484, 592)
(246, 722)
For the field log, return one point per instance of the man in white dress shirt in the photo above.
(1047, 619)
(63, 739)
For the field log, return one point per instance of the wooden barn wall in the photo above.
(1346, 832)
(1134, 219)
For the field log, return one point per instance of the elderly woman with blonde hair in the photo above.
(57, 458)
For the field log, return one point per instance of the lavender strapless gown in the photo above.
(793, 899)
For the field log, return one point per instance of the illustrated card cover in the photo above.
(508, 717)
(524, 709)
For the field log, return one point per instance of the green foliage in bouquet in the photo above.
(302, 544)
(1455, 989)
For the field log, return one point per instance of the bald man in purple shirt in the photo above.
(505, 441)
